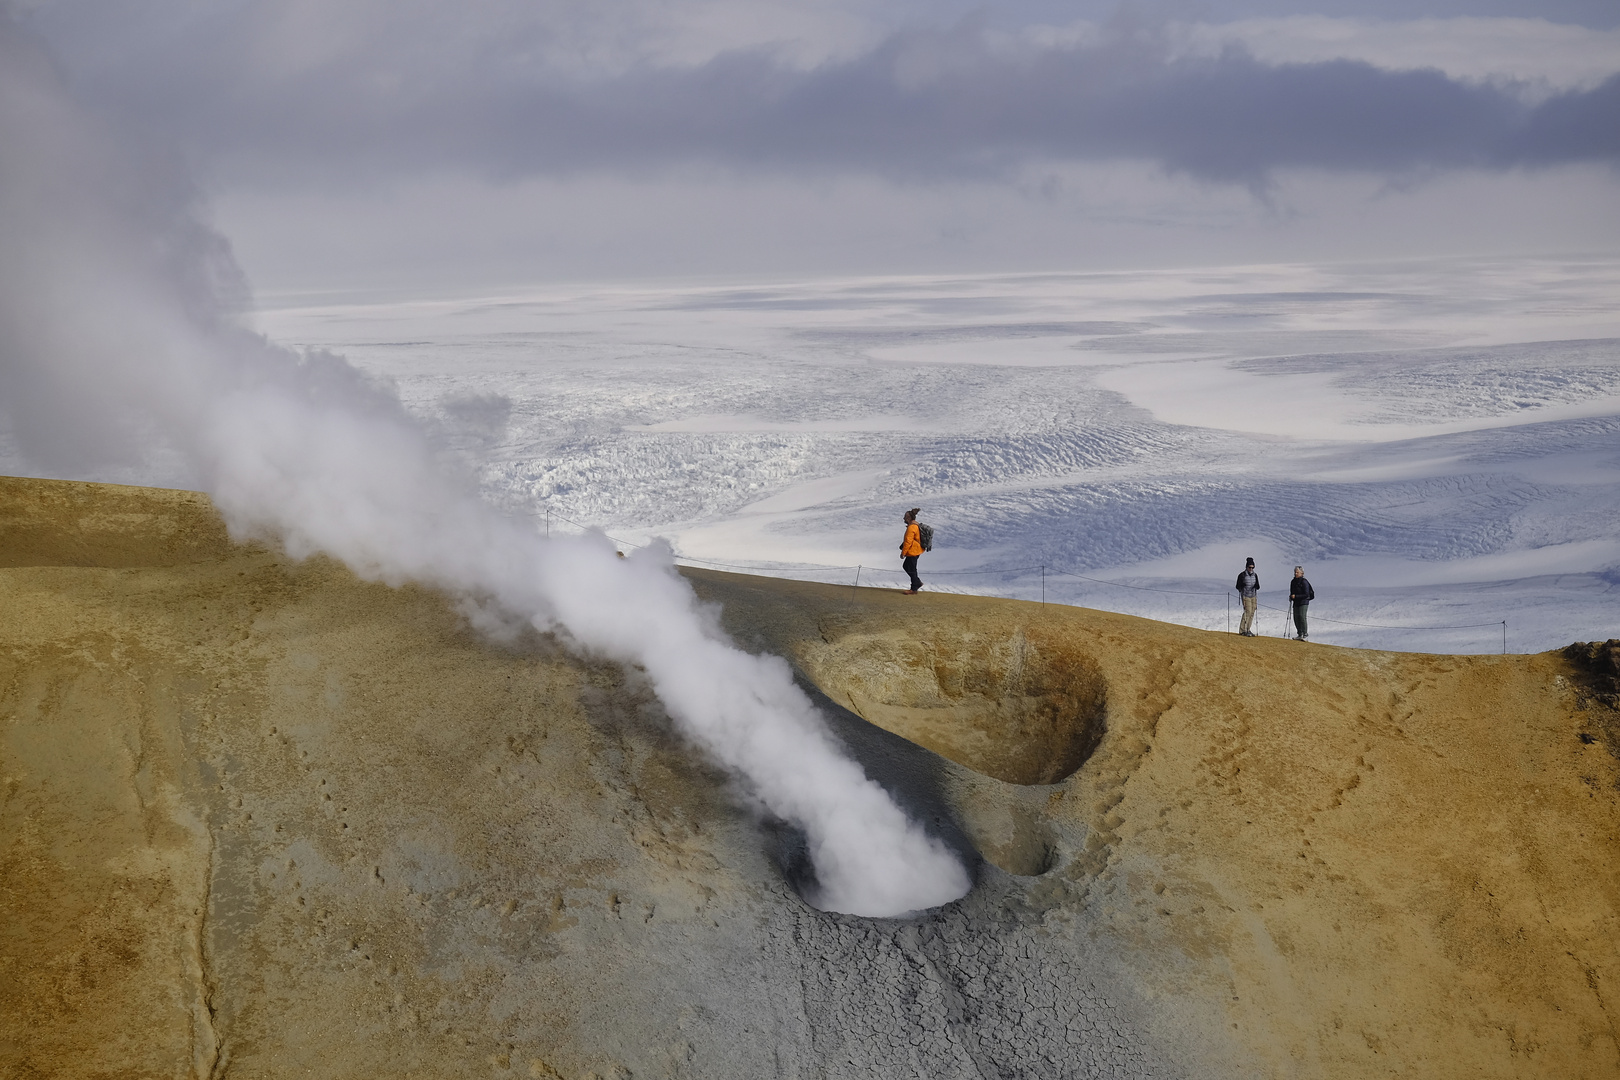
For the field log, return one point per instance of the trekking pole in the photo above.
(1228, 611)
(1043, 595)
(1504, 637)
(857, 577)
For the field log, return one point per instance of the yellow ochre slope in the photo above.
(261, 818)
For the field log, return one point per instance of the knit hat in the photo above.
(1250, 562)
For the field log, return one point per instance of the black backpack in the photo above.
(925, 536)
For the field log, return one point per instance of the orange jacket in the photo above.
(911, 545)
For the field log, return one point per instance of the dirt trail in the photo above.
(261, 818)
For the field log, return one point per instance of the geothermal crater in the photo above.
(261, 818)
(1026, 707)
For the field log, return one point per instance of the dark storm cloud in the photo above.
(919, 105)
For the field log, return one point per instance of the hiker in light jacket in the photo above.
(1248, 587)
(1300, 594)
(910, 548)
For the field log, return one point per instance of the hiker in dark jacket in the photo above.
(910, 548)
(1248, 587)
(1300, 594)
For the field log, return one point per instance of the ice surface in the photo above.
(1438, 442)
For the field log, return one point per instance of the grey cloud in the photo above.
(1574, 127)
(920, 105)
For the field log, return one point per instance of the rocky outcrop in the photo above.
(1598, 665)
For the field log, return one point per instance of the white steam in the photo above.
(115, 337)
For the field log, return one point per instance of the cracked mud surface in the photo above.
(262, 819)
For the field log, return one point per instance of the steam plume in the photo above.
(116, 336)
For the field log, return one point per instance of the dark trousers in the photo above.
(1299, 618)
(910, 563)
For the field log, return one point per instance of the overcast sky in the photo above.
(438, 147)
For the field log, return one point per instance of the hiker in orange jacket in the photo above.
(910, 548)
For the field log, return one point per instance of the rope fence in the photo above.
(1044, 570)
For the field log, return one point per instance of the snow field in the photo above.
(1438, 443)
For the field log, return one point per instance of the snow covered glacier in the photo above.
(1437, 442)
